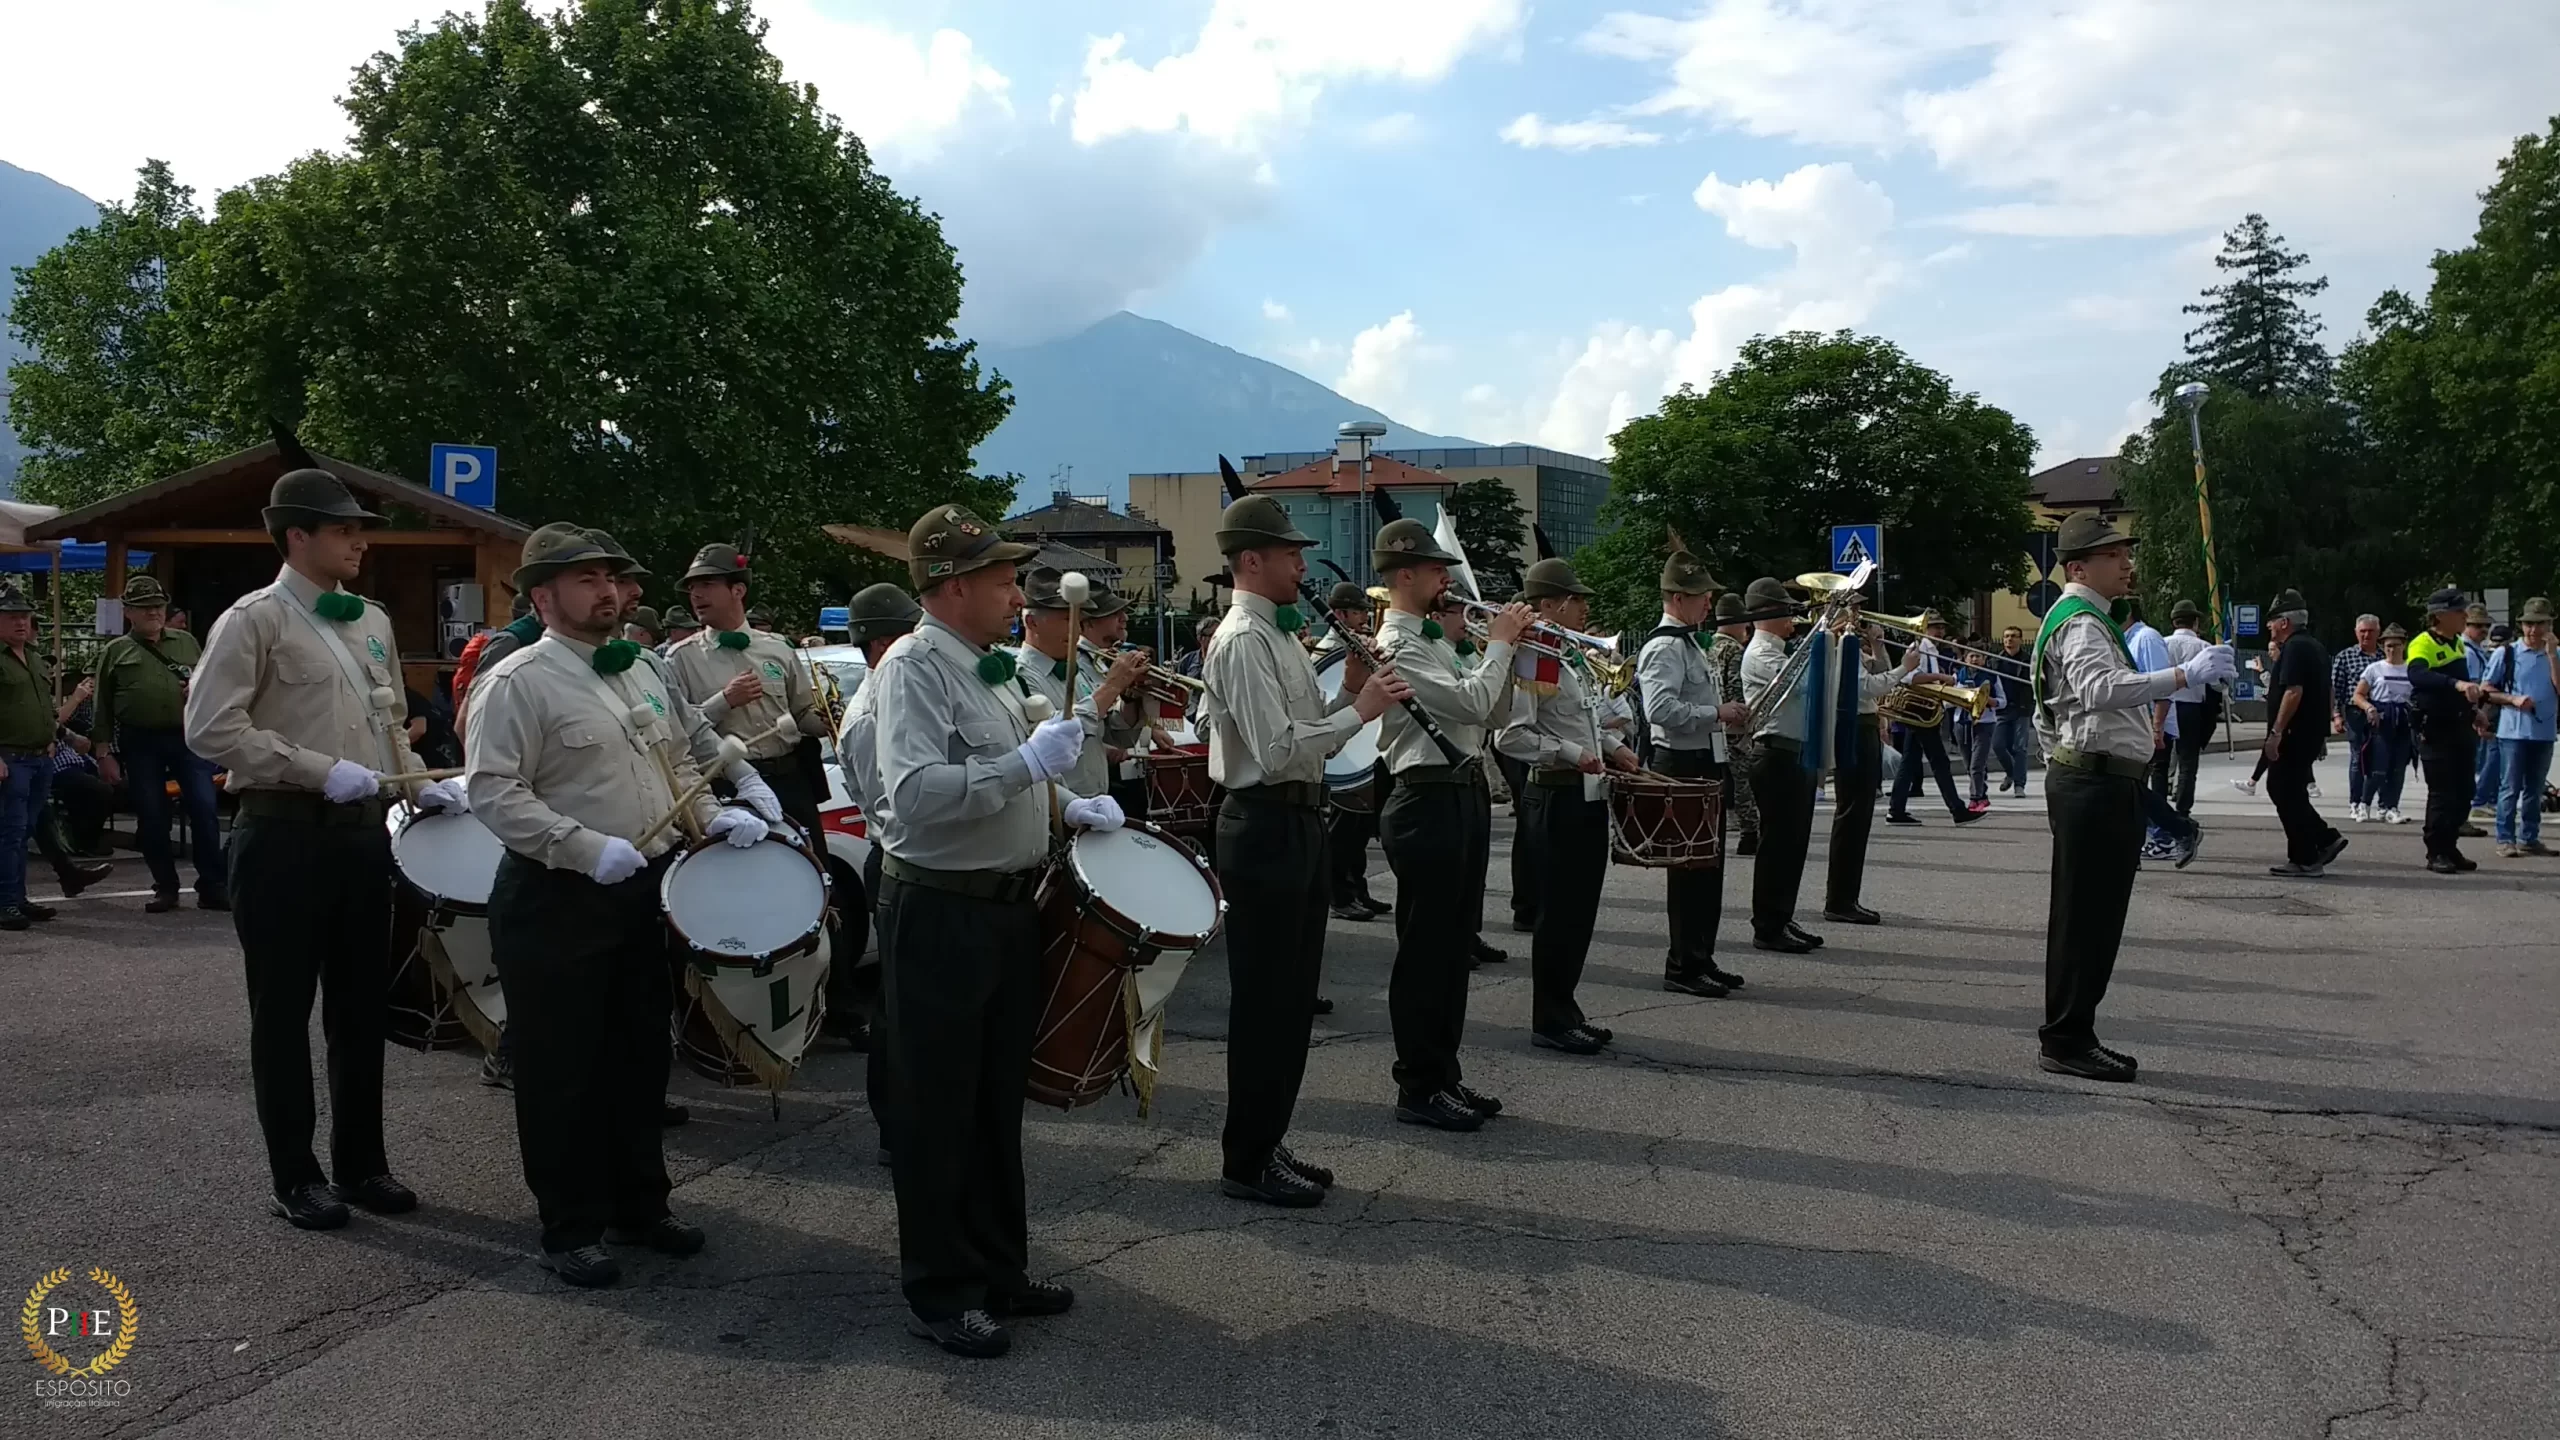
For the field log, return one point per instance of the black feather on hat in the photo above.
(289, 448)
(1234, 482)
(1546, 547)
(1385, 504)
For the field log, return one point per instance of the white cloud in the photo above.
(1379, 373)
(2113, 312)
(899, 92)
(1258, 64)
(1389, 131)
(2131, 117)
(1532, 133)
(1274, 310)
(1961, 250)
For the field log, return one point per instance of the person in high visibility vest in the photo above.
(2444, 694)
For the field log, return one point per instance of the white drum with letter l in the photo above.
(752, 925)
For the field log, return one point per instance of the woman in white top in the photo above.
(2382, 693)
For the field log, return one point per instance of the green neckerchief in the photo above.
(338, 605)
(732, 639)
(1431, 630)
(615, 656)
(1058, 668)
(2072, 607)
(1288, 619)
(996, 667)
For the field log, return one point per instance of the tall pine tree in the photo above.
(2256, 337)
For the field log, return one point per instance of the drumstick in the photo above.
(1036, 708)
(732, 750)
(386, 702)
(640, 716)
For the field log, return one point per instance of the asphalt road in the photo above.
(1843, 1204)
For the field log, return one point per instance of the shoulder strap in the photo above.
(2071, 608)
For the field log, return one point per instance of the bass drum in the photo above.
(1350, 773)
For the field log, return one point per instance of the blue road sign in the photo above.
(2245, 620)
(468, 473)
(1855, 545)
(835, 617)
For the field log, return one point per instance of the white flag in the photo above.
(1461, 574)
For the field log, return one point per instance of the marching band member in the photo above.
(1450, 614)
(1106, 628)
(1269, 729)
(1558, 741)
(1686, 712)
(1853, 790)
(876, 618)
(744, 679)
(1042, 658)
(1780, 779)
(965, 819)
(702, 738)
(285, 702)
(561, 771)
(1724, 655)
(1438, 824)
(1348, 832)
(2094, 712)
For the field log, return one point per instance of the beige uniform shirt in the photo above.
(954, 794)
(1559, 731)
(1681, 692)
(703, 668)
(2094, 700)
(281, 694)
(702, 739)
(1266, 717)
(1763, 661)
(1463, 700)
(858, 750)
(558, 762)
(1092, 772)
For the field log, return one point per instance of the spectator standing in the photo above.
(2171, 836)
(2476, 646)
(141, 737)
(1975, 672)
(2522, 676)
(2297, 726)
(2193, 711)
(2009, 731)
(2348, 719)
(2381, 701)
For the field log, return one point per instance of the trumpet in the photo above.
(1163, 681)
(1612, 671)
(1555, 636)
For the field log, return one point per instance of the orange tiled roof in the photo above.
(1321, 476)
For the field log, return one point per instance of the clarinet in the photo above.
(1359, 645)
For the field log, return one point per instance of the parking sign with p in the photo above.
(468, 473)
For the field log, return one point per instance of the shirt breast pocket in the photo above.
(297, 671)
(972, 738)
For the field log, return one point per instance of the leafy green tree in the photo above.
(2256, 337)
(2461, 394)
(1492, 529)
(1804, 432)
(106, 402)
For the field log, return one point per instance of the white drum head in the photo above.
(448, 857)
(1350, 765)
(1152, 881)
(756, 901)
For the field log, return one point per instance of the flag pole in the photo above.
(2192, 396)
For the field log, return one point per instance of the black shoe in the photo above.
(973, 1333)
(498, 1070)
(1782, 942)
(1524, 924)
(15, 917)
(1749, 844)
(1306, 1170)
(1324, 1004)
(2120, 1057)
(1350, 910)
(309, 1207)
(2336, 847)
(381, 1195)
(1036, 1297)
(1482, 1104)
(2464, 863)
(2443, 865)
(2185, 847)
(671, 1115)
(1902, 819)
(40, 913)
(2090, 1064)
(1713, 971)
(2468, 831)
(2292, 871)
(76, 878)
(1276, 1185)
(1575, 1041)
(213, 897)
(667, 1235)
(1439, 1109)
(1967, 817)
(1372, 903)
(1699, 984)
(1809, 940)
(1484, 954)
(161, 902)
(588, 1267)
(1851, 915)
(840, 1026)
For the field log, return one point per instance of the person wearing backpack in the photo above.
(141, 740)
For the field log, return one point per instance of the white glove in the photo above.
(759, 797)
(1099, 812)
(620, 861)
(438, 795)
(740, 828)
(1053, 747)
(2212, 663)
(349, 782)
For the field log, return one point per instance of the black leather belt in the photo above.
(1556, 779)
(2117, 765)
(1301, 794)
(1786, 744)
(1004, 887)
(1460, 774)
(312, 809)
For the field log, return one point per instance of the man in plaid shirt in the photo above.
(2345, 718)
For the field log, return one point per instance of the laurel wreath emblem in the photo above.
(127, 1316)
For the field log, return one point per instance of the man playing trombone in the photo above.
(1927, 741)
(1556, 736)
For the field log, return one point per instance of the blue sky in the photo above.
(1526, 222)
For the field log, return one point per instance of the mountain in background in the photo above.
(35, 215)
(1129, 395)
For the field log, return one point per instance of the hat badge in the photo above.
(933, 540)
(1401, 542)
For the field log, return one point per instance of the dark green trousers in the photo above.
(2096, 820)
(1784, 788)
(1693, 899)
(1573, 848)
(1853, 819)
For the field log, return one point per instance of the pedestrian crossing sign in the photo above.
(1856, 545)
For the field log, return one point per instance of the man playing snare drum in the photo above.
(1269, 729)
(965, 787)
(561, 771)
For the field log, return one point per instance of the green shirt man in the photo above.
(27, 720)
(142, 675)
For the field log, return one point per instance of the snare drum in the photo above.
(737, 1026)
(1665, 823)
(751, 906)
(1180, 799)
(450, 860)
(1350, 773)
(1118, 901)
